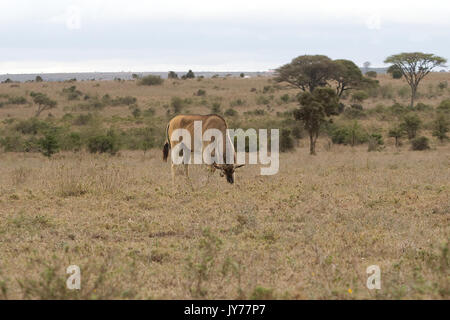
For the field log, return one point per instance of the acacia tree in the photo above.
(347, 76)
(172, 75)
(314, 109)
(43, 102)
(307, 72)
(395, 72)
(396, 132)
(414, 66)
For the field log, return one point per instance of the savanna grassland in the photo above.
(308, 232)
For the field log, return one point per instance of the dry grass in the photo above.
(308, 232)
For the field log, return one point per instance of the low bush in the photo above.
(352, 135)
(83, 119)
(215, 108)
(150, 80)
(444, 106)
(230, 112)
(103, 144)
(17, 100)
(200, 92)
(72, 93)
(420, 143)
(237, 103)
(31, 126)
(286, 140)
(354, 113)
(423, 107)
(359, 96)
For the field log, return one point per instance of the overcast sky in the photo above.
(212, 35)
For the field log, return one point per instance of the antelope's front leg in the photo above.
(186, 172)
(211, 170)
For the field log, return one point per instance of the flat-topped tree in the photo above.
(414, 66)
(43, 102)
(347, 76)
(307, 72)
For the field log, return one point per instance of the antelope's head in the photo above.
(227, 170)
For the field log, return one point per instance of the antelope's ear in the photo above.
(216, 166)
(238, 166)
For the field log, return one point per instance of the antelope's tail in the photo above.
(166, 147)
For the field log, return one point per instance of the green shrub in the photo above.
(285, 98)
(352, 135)
(150, 80)
(261, 293)
(371, 74)
(444, 106)
(31, 126)
(103, 144)
(72, 93)
(395, 71)
(256, 112)
(49, 144)
(121, 101)
(230, 112)
(442, 85)
(138, 138)
(441, 127)
(200, 92)
(43, 101)
(398, 109)
(375, 140)
(420, 143)
(177, 104)
(136, 112)
(411, 125)
(83, 119)
(262, 100)
(268, 89)
(17, 100)
(396, 132)
(237, 102)
(12, 143)
(297, 132)
(149, 112)
(397, 74)
(387, 92)
(286, 140)
(71, 142)
(359, 96)
(215, 108)
(404, 92)
(172, 75)
(354, 113)
(189, 75)
(423, 107)
(92, 105)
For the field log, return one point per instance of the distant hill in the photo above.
(377, 70)
(116, 75)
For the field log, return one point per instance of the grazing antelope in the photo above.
(211, 121)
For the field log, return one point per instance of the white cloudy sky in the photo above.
(212, 35)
